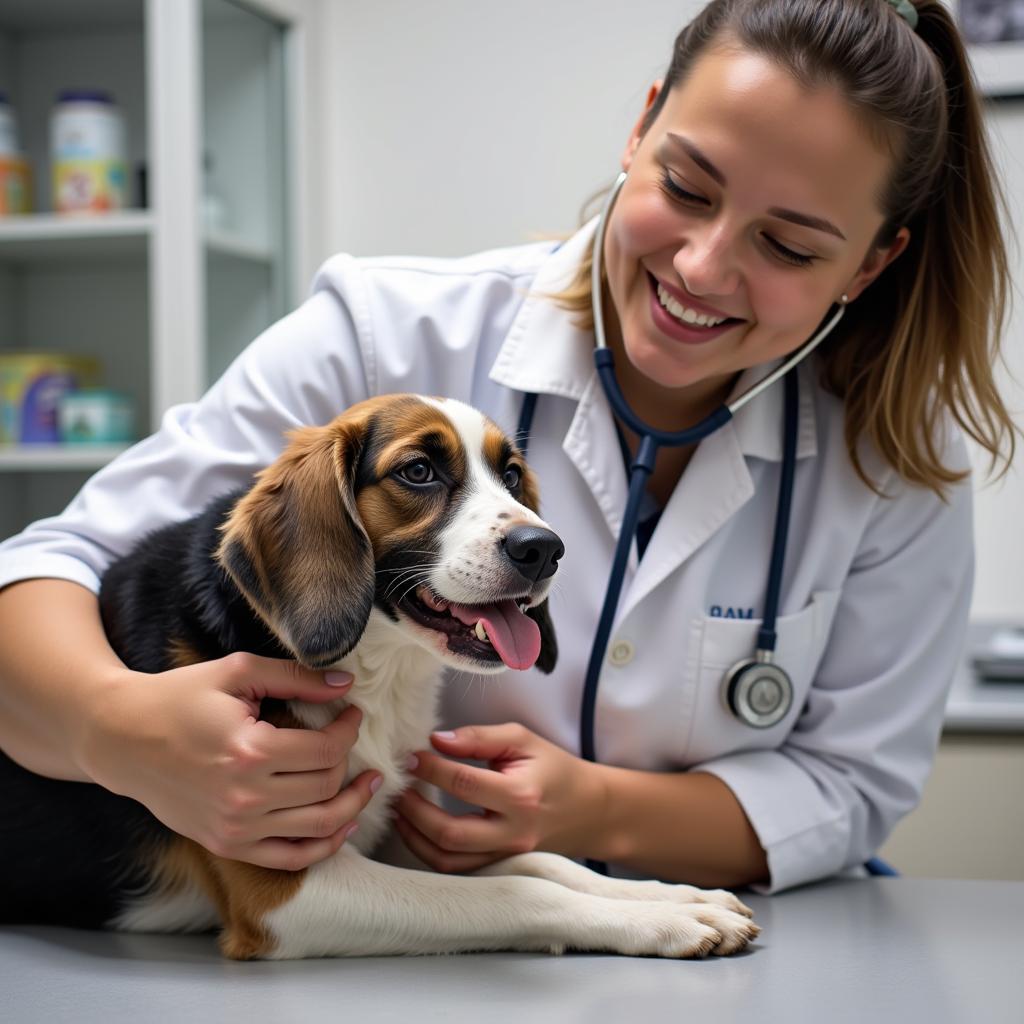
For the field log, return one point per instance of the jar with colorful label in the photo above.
(88, 153)
(32, 385)
(15, 172)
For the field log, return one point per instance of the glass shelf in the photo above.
(32, 457)
(43, 237)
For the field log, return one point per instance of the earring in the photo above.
(844, 299)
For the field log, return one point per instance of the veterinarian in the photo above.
(799, 157)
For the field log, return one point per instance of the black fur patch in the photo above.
(71, 853)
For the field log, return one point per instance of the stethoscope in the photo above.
(755, 690)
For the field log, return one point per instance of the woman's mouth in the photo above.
(673, 318)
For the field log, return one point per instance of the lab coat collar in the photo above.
(546, 353)
(759, 424)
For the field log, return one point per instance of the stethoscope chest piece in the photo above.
(758, 693)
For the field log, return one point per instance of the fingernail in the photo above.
(352, 829)
(338, 678)
(376, 784)
(445, 735)
(411, 762)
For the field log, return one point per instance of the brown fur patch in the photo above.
(499, 451)
(242, 893)
(496, 447)
(394, 515)
(295, 545)
(530, 496)
(181, 654)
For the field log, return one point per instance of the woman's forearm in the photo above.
(55, 663)
(677, 826)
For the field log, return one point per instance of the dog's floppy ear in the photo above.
(295, 547)
(548, 644)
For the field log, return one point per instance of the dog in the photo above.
(402, 537)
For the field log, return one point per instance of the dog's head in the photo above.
(421, 507)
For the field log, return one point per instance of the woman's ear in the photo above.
(875, 262)
(638, 129)
(548, 644)
(295, 547)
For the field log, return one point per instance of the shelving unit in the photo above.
(215, 95)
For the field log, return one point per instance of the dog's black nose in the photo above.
(534, 551)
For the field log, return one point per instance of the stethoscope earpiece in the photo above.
(758, 693)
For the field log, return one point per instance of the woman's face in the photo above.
(749, 200)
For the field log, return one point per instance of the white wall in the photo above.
(454, 125)
(999, 514)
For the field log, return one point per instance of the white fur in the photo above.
(468, 549)
(186, 910)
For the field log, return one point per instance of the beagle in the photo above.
(401, 538)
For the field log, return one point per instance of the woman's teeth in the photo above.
(687, 316)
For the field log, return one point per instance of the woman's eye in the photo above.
(797, 259)
(676, 191)
(512, 477)
(418, 472)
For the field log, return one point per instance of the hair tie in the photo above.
(906, 10)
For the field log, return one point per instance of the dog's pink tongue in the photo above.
(515, 636)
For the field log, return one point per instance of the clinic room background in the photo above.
(255, 140)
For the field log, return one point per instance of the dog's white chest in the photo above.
(397, 688)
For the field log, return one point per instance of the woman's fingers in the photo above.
(325, 819)
(446, 861)
(311, 750)
(293, 854)
(252, 677)
(299, 789)
(480, 786)
(465, 833)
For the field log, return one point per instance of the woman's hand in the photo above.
(188, 745)
(534, 796)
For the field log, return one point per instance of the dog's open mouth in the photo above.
(500, 631)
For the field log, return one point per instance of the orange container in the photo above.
(15, 185)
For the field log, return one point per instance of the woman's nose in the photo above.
(706, 261)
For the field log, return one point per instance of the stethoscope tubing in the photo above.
(642, 465)
(651, 439)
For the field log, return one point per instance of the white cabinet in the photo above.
(219, 239)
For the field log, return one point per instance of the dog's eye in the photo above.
(418, 472)
(512, 477)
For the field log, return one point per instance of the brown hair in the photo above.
(927, 340)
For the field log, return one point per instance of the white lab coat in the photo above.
(874, 597)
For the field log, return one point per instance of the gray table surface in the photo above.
(864, 951)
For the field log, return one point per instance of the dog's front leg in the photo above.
(349, 905)
(567, 872)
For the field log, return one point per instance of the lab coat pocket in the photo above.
(800, 643)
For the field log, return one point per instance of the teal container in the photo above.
(96, 416)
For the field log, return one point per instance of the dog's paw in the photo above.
(625, 889)
(717, 897)
(666, 929)
(737, 930)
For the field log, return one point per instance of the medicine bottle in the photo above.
(87, 152)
